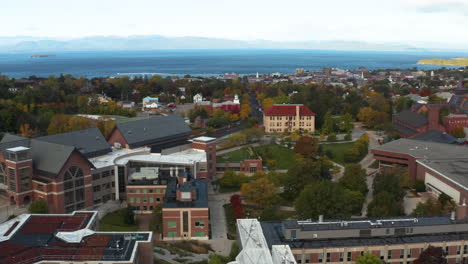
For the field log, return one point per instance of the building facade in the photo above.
(393, 240)
(288, 118)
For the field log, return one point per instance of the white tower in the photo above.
(258, 75)
(236, 99)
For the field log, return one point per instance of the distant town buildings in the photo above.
(288, 118)
(150, 103)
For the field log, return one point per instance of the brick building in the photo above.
(70, 238)
(185, 209)
(81, 169)
(393, 240)
(288, 118)
(442, 167)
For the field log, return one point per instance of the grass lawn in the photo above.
(337, 150)
(114, 222)
(234, 157)
(284, 157)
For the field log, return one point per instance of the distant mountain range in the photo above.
(34, 44)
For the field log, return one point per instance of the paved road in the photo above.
(255, 108)
(365, 163)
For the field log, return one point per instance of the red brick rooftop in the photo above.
(288, 110)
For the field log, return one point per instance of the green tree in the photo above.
(384, 204)
(368, 258)
(328, 123)
(323, 198)
(231, 179)
(128, 216)
(261, 191)
(354, 178)
(39, 206)
(346, 122)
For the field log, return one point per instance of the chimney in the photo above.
(433, 117)
(298, 109)
(461, 211)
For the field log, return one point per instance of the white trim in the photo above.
(444, 176)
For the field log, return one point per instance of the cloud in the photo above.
(438, 6)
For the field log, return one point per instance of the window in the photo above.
(447, 250)
(132, 191)
(171, 234)
(458, 250)
(73, 181)
(253, 169)
(186, 195)
(200, 223)
(150, 190)
(387, 231)
(145, 191)
(341, 256)
(382, 254)
(96, 176)
(151, 199)
(11, 175)
(389, 254)
(137, 191)
(328, 257)
(307, 258)
(132, 199)
(465, 249)
(158, 190)
(105, 174)
(24, 175)
(138, 200)
(40, 187)
(97, 188)
(320, 257)
(348, 258)
(185, 222)
(171, 224)
(158, 199)
(3, 173)
(200, 233)
(145, 199)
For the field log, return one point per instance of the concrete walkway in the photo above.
(365, 163)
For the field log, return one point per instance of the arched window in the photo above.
(73, 185)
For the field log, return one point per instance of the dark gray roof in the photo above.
(201, 201)
(436, 136)
(411, 118)
(454, 169)
(154, 130)
(403, 130)
(273, 235)
(90, 142)
(383, 222)
(48, 158)
(422, 149)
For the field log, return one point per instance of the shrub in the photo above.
(331, 137)
(419, 186)
(39, 207)
(347, 137)
(236, 203)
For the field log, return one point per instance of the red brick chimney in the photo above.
(461, 211)
(433, 117)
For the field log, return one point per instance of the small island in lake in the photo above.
(448, 62)
(42, 55)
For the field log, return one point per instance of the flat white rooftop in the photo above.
(186, 157)
(16, 149)
(204, 139)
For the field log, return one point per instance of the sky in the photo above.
(379, 21)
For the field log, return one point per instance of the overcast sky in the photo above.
(408, 21)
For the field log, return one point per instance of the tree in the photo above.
(231, 179)
(261, 191)
(384, 204)
(328, 123)
(432, 255)
(354, 178)
(306, 146)
(367, 115)
(323, 198)
(26, 130)
(267, 103)
(368, 258)
(39, 206)
(458, 132)
(238, 139)
(331, 137)
(346, 123)
(128, 216)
